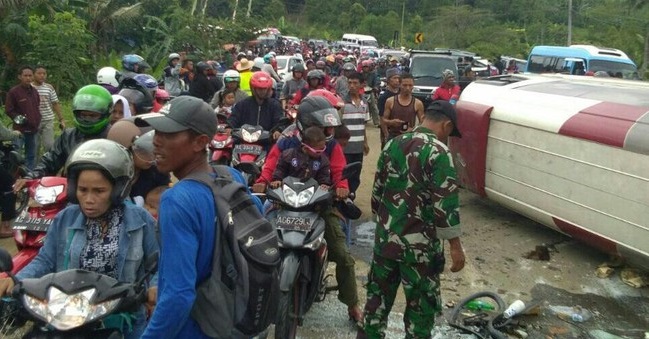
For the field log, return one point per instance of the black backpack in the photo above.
(239, 298)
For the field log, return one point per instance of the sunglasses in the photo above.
(316, 151)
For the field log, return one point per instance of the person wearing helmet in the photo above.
(132, 64)
(372, 86)
(231, 79)
(91, 107)
(317, 111)
(109, 78)
(98, 232)
(161, 98)
(268, 67)
(315, 80)
(171, 73)
(147, 81)
(310, 65)
(293, 85)
(341, 86)
(381, 67)
(201, 87)
(139, 98)
(259, 109)
(140, 145)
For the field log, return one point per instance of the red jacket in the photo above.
(443, 93)
(337, 161)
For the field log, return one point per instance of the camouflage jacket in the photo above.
(415, 196)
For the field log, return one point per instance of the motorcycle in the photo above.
(47, 197)
(250, 146)
(73, 303)
(14, 163)
(221, 144)
(300, 230)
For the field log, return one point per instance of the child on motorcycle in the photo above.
(308, 161)
(226, 102)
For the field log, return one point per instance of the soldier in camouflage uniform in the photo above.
(415, 200)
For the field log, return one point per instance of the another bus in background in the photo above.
(581, 60)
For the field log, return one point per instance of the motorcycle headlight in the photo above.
(250, 137)
(47, 195)
(289, 195)
(304, 197)
(64, 311)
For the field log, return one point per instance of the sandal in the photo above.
(356, 316)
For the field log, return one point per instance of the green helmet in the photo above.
(107, 156)
(92, 98)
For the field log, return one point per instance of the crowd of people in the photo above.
(120, 194)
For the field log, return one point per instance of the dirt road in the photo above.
(495, 240)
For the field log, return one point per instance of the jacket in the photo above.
(54, 160)
(248, 111)
(337, 160)
(24, 101)
(295, 163)
(172, 80)
(202, 88)
(137, 241)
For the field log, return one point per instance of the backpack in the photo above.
(239, 298)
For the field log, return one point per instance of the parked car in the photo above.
(569, 152)
(426, 68)
(285, 64)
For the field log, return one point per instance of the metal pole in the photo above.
(569, 22)
(403, 12)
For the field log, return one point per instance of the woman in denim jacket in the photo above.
(99, 232)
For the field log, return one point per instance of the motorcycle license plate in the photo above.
(250, 149)
(293, 223)
(26, 223)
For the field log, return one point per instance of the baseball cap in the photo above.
(444, 107)
(181, 114)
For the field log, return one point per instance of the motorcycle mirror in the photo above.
(249, 167)
(352, 169)
(6, 264)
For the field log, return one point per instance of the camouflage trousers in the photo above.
(420, 280)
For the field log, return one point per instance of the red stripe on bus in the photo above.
(586, 236)
(607, 123)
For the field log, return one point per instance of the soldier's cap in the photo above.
(181, 114)
(444, 107)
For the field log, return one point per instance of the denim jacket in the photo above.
(137, 241)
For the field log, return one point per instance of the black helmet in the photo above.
(202, 66)
(137, 95)
(316, 111)
(298, 68)
(315, 74)
(107, 156)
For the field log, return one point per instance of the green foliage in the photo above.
(62, 46)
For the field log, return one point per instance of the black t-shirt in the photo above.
(383, 98)
(148, 180)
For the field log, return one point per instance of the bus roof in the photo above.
(358, 36)
(583, 51)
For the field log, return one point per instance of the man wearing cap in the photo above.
(186, 214)
(244, 68)
(416, 203)
(393, 82)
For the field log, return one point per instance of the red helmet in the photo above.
(333, 99)
(261, 80)
(161, 94)
(368, 63)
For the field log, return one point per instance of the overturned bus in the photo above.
(569, 152)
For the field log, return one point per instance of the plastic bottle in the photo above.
(478, 305)
(515, 308)
(576, 314)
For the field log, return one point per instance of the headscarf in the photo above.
(447, 73)
(127, 108)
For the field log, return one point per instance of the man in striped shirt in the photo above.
(49, 105)
(355, 115)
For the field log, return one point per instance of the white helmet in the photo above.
(173, 56)
(108, 76)
(231, 75)
(259, 62)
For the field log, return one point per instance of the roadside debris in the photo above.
(604, 271)
(541, 252)
(576, 314)
(633, 278)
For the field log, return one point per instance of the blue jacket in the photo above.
(136, 242)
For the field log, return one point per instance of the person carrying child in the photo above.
(308, 161)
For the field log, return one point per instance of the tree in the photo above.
(62, 45)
